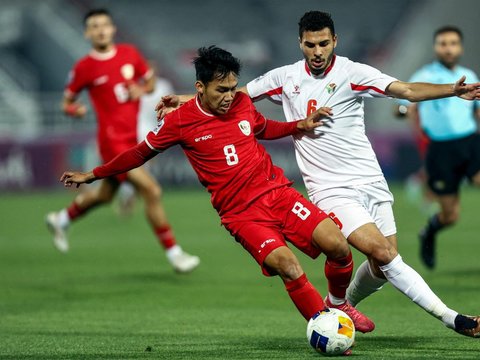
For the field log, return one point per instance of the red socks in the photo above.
(339, 272)
(165, 236)
(305, 297)
(74, 211)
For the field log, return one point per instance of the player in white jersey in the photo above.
(339, 167)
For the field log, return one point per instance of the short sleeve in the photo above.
(166, 134)
(142, 70)
(76, 81)
(268, 85)
(366, 81)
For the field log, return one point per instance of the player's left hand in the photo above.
(70, 178)
(315, 119)
(135, 91)
(467, 91)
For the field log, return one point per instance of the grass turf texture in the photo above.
(114, 295)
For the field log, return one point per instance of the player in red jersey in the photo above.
(116, 75)
(218, 131)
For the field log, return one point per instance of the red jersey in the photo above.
(106, 77)
(224, 152)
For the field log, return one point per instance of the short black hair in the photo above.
(95, 12)
(448, 28)
(213, 62)
(315, 21)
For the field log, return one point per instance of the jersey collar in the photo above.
(97, 55)
(197, 102)
(327, 70)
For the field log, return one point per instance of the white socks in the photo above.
(63, 218)
(406, 280)
(173, 252)
(409, 282)
(364, 284)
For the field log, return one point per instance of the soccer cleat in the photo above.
(468, 325)
(183, 262)
(427, 248)
(362, 322)
(59, 234)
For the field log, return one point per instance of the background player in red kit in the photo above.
(115, 76)
(218, 132)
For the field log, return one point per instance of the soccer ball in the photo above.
(331, 332)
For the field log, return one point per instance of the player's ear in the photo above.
(335, 41)
(200, 87)
(300, 43)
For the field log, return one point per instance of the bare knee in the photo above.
(284, 264)
(152, 193)
(330, 240)
(449, 216)
(104, 197)
(383, 252)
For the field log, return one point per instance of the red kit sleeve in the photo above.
(128, 160)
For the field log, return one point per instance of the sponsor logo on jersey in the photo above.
(203, 138)
(296, 89)
(331, 88)
(127, 71)
(159, 126)
(244, 125)
(100, 80)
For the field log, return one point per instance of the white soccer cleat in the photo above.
(183, 262)
(59, 233)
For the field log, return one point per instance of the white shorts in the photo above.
(354, 206)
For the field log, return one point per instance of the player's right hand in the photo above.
(70, 178)
(75, 109)
(315, 119)
(167, 104)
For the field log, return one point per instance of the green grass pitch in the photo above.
(115, 297)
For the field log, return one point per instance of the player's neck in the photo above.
(203, 107)
(103, 52)
(450, 67)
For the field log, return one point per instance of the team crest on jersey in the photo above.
(159, 126)
(244, 125)
(296, 89)
(127, 71)
(331, 88)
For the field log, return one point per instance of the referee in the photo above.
(450, 124)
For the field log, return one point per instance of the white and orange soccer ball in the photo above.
(331, 332)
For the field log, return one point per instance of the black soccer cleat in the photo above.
(427, 248)
(468, 325)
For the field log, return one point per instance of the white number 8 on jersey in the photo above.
(301, 211)
(231, 155)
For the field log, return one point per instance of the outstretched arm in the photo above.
(416, 91)
(128, 160)
(277, 129)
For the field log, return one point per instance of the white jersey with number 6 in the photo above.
(340, 153)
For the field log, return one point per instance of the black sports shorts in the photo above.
(448, 162)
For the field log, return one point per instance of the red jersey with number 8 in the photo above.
(223, 151)
(106, 76)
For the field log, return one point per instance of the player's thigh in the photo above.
(303, 223)
(144, 182)
(328, 238)
(259, 240)
(344, 206)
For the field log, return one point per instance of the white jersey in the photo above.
(339, 154)
(147, 117)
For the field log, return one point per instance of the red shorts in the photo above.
(280, 215)
(110, 149)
